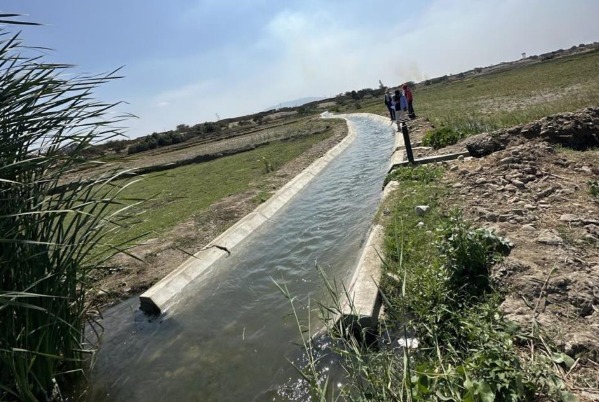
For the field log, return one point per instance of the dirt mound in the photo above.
(579, 130)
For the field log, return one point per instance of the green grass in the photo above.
(515, 96)
(178, 194)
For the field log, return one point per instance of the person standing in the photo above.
(401, 106)
(389, 104)
(409, 99)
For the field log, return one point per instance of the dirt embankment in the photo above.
(536, 184)
(159, 256)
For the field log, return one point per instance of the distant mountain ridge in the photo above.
(296, 102)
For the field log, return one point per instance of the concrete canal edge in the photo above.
(159, 297)
(362, 301)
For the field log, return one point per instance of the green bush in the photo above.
(442, 137)
(468, 255)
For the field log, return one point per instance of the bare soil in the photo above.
(156, 258)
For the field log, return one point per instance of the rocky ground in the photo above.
(537, 185)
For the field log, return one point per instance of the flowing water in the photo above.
(230, 336)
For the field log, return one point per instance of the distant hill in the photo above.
(296, 102)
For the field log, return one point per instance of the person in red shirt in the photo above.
(409, 97)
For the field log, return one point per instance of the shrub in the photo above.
(468, 255)
(442, 137)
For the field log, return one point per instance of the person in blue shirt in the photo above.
(389, 104)
(401, 107)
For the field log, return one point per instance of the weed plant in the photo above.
(46, 123)
(436, 289)
(442, 137)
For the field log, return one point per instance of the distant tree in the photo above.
(118, 146)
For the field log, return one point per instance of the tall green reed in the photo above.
(47, 230)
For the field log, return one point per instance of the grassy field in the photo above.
(507, 98)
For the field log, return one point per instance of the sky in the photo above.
(191, 61)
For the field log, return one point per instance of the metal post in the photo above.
(406, 140)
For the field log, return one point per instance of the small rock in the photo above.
(494, 187)
(528, 228)
(581, 344)
(546, 192)
(511, 187)
(548, 237)
(507, 160)
(505, 217)
(586, 169)
(457, 185)
(480, 181)
(461, 157)
(422, 209)
(569, 218)
(529, 206)
(518, 183)
(453, 168)
(420, 224)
